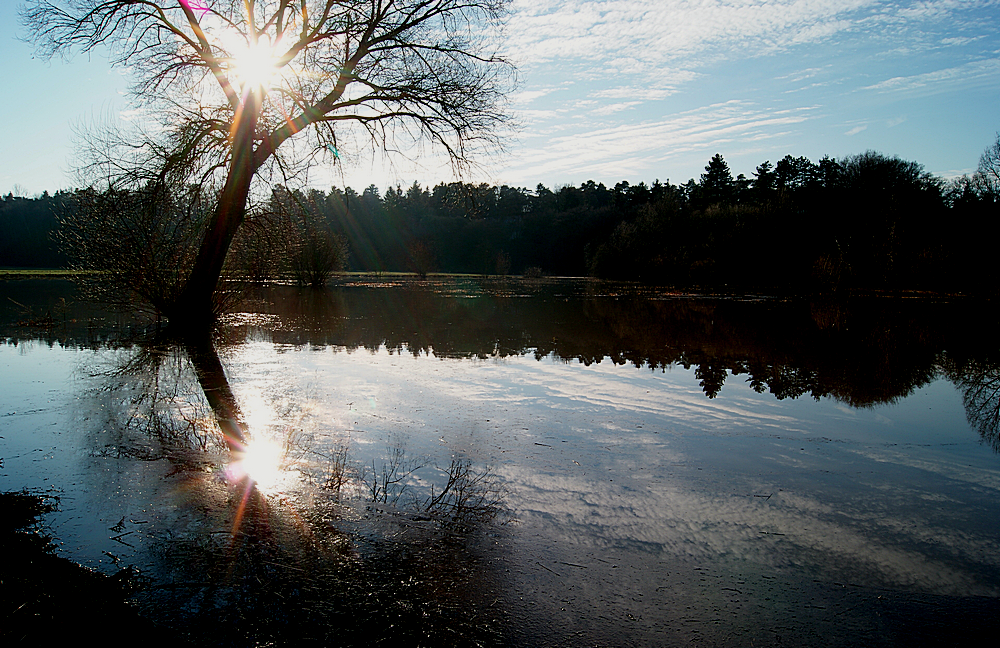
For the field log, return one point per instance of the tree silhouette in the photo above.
(235, 80)
(890, 211)
(764, 182)
(717, 183)
(794, 173)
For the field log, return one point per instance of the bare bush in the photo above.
(468, 496)
(136, 247)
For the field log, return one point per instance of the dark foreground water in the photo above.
(549, 463)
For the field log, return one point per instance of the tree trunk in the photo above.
(195, 308)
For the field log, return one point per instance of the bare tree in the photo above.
(987, 177)
(234, 80)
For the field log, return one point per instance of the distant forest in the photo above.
(867, 221)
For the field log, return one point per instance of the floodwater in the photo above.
(521, 463)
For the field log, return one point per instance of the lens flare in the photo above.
(195, 7)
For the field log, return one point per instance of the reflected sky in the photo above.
(604, 455)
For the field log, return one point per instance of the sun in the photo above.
(253, 65)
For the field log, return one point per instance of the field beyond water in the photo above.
(458, 461)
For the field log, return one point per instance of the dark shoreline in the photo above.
(46, 597)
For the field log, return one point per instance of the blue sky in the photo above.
(639, 90)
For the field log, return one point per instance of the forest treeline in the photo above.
(26, 230)
(867, 221)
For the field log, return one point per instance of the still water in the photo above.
(534, 463)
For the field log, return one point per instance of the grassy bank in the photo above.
(37, 273)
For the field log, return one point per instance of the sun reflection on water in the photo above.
(263, 461)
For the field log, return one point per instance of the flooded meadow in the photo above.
(462, 462)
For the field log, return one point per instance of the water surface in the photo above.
(523, 463)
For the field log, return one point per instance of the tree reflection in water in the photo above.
(151, 408)
(365, 555)
(980, 386)
(863, 351)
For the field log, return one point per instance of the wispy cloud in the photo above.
(632, 50)
(528, 96)
(856, 130)
(638, 147)
(665, 32)
(958, 41)
(971, 73)
(614, 108)
(801, 75)
(635, 37)
(655, 85)
(937, 9)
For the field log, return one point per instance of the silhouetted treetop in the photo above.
(717, 182)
